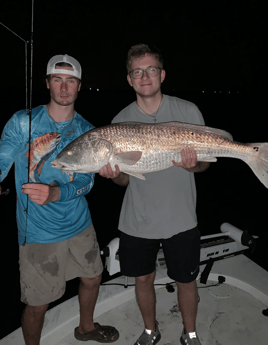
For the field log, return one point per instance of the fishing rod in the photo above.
(30, 118)
(26, 80)
(28, 110)
(26, 58)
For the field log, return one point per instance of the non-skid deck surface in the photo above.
(226, 316)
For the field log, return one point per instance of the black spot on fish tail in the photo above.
(258, 162)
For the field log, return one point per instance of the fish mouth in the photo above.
(56, 164)
(62, 166)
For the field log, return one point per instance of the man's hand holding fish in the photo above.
(189, 161)
(107, 171)
(117, 176)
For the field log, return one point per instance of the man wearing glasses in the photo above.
(162, 208)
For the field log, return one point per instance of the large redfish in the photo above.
(140, 148)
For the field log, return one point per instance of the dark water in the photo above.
(227, 192)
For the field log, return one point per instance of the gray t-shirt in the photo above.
(165, 203)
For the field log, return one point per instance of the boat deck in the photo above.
(227, 314)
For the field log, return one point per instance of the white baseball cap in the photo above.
(51, 69)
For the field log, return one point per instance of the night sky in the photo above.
(211, 45)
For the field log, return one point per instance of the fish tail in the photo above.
(259, 161)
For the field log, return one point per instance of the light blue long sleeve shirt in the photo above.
(68, 216)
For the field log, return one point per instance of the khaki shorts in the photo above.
(45, 267)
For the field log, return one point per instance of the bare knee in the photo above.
(146, 280)
(187, 288)
(186, 285)
(91, 282)
(35, 311)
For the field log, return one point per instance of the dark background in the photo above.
(214, 57)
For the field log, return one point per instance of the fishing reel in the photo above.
(6, 192)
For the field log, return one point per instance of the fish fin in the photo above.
(206, 129)
(40, 167)
(208, 159)
(140, 176)
(258, 161)
(129, 158)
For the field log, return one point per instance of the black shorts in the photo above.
(182, 255)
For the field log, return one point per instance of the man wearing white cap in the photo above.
(56, 237)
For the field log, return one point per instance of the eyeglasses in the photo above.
(151, 71)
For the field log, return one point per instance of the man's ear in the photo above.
(129, 80)
(163, 75)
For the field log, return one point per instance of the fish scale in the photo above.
(140, 148)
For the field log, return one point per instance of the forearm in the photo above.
(80, 186)
(200, 167)
(122, 179)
